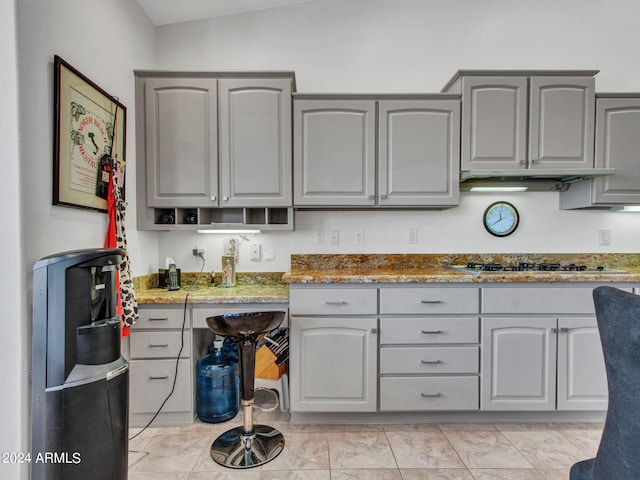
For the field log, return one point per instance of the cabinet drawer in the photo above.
(159, 344)
(428, 393)
(428, 360)
(333, 301)
(152, 380)
(554, 299)
(416, 331)
(426, 300)
(161, 318)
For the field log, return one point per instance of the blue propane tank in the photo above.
(218, 385)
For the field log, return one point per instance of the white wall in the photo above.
(14, 386)
(106, 41)
(416, 46)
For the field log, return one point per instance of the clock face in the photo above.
(501, 219)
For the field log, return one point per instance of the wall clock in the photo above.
(501, 219)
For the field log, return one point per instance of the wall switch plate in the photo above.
(358, 237)
(318, 237)
(254, 251)
(268, 254)
(604, 236)
(413, 235)
(334, 237)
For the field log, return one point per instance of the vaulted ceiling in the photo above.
(164, 12)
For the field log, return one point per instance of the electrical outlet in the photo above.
(334, 237)
(254, 249)
(318, 237)
(200, 251)
(358, 237)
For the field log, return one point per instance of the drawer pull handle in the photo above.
(428, 332)
(431, 395)
(158, 345)
(163, 319)
(431, 301)
(430, 362)
(341, 302)
(166, 377)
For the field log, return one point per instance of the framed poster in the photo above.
(89, 137)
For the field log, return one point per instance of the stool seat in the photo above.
(244, 325)
(250, 445)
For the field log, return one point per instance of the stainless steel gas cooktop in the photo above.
(532, 267)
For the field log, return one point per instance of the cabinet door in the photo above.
(561, 122)
(333, 364)
(419, 152)
(181, 142)
(617, 146)
(518, 363)
(255, 142)
(334, 152)
(582, 378)
(494, 122)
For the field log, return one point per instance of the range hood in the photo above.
(537, 180)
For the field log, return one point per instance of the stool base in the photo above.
(236, 449)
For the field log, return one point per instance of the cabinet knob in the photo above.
(213, 198)
(374, 330)
(225, 198)
(383, 197)
(372, 197)
(523, 162)
(534, 160)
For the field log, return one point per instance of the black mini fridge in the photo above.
(79, 380)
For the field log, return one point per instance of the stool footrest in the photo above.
(236, 449)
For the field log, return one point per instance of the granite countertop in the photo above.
(251, 288)
(428, 268)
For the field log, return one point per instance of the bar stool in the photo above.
(249, 445)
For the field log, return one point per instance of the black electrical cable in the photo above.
(175, 376)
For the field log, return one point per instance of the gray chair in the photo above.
(618, 457)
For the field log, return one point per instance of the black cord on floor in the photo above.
(175, 376)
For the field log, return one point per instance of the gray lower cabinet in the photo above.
(526, 120)
(333, 352)
(341, 150)
(158, 349)
(429, 348)
(617, 145)
(541, 350)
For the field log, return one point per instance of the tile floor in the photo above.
(532, 451)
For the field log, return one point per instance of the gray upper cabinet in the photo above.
(419, 152)
(342, 145)
(181, 123)
(255, 142)
(516, 120)
(214, 150)
(334, 152)
(617, 144)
